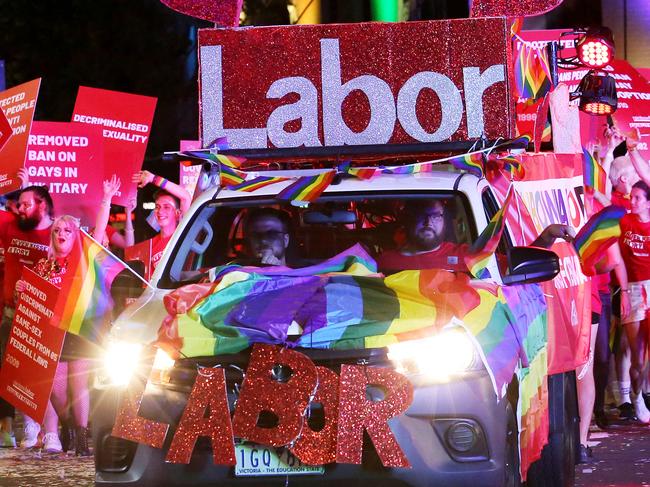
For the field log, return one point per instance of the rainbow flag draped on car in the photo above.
(85, 289)
(343, 303)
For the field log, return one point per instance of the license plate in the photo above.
(254, 460)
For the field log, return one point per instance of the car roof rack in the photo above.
(296, 157)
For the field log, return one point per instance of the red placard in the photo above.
(68, 159)
(125, 120)
(33, 350)
(355, 84)
(18, 105)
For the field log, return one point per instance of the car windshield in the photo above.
(383, 226)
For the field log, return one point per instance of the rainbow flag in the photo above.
(231, 177)
(516, 25)
(257, 183)
(487, 242)
(472, 163)
(343, 304)
(532, 72)
(513, 167)
(593, 173)
(85, 290)
(418, 167)
(307, 188)
(358, 172)
(600, 231)
(230, 161)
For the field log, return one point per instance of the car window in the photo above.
(215, 236)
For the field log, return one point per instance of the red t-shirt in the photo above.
(22, 248)
(449, 256)
(158, 245)
(635, 247)
(621, 199)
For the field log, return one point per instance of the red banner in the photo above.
(125, 120)
(18, 104)
(355, 84)
(552, 192)
(33, 349)
(68, 159)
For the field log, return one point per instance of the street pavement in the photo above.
(621, 454)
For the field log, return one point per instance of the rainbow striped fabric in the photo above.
(594, 175)
(342, 304)
(307, 188)
(86, 289)
(257, 183)
(487, 242)
(532, 72)
(230, 176)
(418, 167)
(600, 231)
(513, 167)
(358, 172)
(472, 163)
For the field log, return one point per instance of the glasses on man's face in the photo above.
(27, 205)
(268, 235)
(434, 217)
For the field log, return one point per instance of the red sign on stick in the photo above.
(33, 348)
(356, 84)
(68, 159)
(125, 120)
(18, 105)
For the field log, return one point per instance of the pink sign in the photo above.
(68, 159)
(125, 120)
(33, 348)
(189, 172)
(356, 84)
(18, 105)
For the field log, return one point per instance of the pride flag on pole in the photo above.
(486, 244)
(600, 231)
(594, 175)
(85, 290)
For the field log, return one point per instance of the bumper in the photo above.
(422, 432)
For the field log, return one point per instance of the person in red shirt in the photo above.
(172, 201)
(25, 238)
(635, 249)
(73, 367)
(428, 243)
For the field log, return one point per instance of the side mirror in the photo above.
(527, 265)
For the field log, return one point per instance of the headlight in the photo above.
(120, 361)
(450, 352)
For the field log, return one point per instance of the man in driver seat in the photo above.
(427, 245)
(266, 232)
